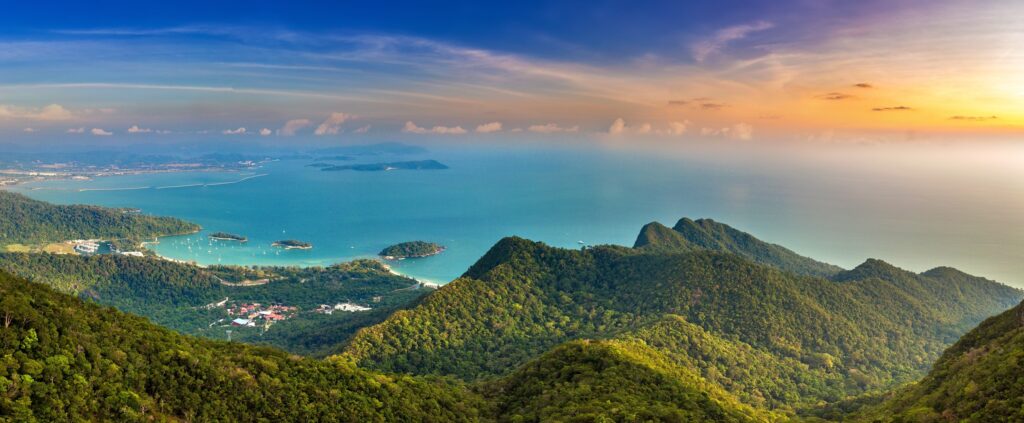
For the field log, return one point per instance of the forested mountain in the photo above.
(613, 381)
(706, 234)
(177, 295)
(65, 360)
(978, 379)
(28, 221)
(805, 339)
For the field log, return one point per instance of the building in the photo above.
(242, 322)
(87, 247)
(350, 307)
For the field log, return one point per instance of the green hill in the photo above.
(830, 339)
(706, 234)
(612, 381)
(65, 360)
(978, 379)
(176, 295)
(28, 221)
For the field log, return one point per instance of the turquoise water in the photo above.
(842, 214)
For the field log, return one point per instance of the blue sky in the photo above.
(798, 69)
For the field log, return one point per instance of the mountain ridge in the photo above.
(690, 235)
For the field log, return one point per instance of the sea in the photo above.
(838, 207)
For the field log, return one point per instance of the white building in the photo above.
(350, 307)
(242, 322)
(87, 247)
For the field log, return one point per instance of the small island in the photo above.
(224, 236)
(291, 244)
(377, 167)
(411, 249)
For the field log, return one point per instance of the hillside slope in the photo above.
(612, 381)
(176, 295)
(978, 379)
(523, 298)
(28, 221)
(65, 360)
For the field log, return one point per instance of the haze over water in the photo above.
(841, 207)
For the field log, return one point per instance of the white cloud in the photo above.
(265, 132)
(332, 125)
(411, 127)
(293, 126)
(550, 128)
(55, 112)
(52, 112)
(75, 130)
(163, 131)
(619, 127)
(136, 130)
(29, 130)
(362, 130)
(489, 127)
(100, 132)
(705, 48)
(742, 131)
(239, 131)
(739, 131)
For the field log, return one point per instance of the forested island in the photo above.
(411, 249)
(224, 236)
(377, 167)
(292, 244)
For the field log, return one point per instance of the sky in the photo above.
(814, 71)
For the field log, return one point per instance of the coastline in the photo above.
(422, 282)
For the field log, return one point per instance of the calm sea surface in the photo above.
(969, 216)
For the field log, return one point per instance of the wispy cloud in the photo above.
(293, 126)
(835, 96)
(551, 128)
(863, 85)
(740, 131)
(75, 130)
(704, 48)
(362, 130)
(619, 127)
(239, 131)
(332, 125)
(411, 128)
(265, 132)
(974, 118)
(489, 127)
(52, 112)
(892, 109)
(134, 129)
(101, 132)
